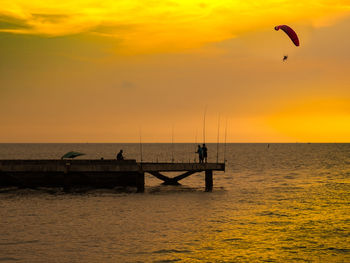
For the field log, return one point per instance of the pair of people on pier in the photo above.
(202, 153)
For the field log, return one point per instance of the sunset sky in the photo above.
(99, 71)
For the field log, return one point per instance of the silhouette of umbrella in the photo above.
(71, 155)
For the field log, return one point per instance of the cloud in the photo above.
(162, 26)
(11, 23)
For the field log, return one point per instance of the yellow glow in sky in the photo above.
(315, 120)
(78, 71)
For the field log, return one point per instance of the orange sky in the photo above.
(92, 71)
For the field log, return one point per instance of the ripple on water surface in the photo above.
(286, 203)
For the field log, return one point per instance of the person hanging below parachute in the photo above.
(291, 34)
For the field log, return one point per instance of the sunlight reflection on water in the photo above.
(286, 203)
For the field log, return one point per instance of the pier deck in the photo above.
(97, 173)
(178, 167)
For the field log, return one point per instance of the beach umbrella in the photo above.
(72, 155)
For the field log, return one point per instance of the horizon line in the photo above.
(171, 142)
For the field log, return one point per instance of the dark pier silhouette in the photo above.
(98, 173)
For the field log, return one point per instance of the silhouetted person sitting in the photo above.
(205, 153)
(120, 155)
(200, 153)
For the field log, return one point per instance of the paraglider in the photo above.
(290, 32)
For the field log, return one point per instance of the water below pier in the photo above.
(285, 203)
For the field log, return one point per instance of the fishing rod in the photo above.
(140, 144)
(225, 141)
(217, 145)
(205, 113)
(195, 145)
(172, 143)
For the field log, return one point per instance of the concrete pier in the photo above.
(97, 173)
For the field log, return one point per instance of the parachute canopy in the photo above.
(290, 32)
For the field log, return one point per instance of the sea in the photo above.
(274, 203)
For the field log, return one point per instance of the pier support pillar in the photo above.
(208, 180)
(141, 183)
(66, 178)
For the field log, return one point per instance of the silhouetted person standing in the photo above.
(120, 155)
(200, 153)
(205, 153)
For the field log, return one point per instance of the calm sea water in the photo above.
(285, 203)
